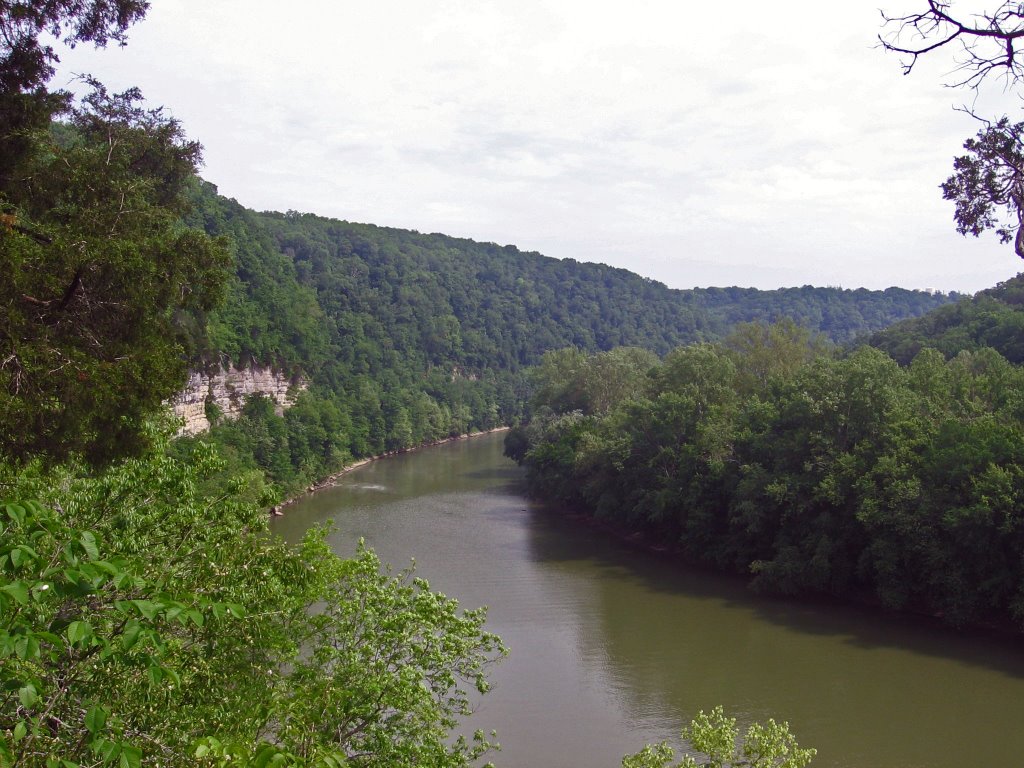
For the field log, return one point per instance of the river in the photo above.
(612, 647)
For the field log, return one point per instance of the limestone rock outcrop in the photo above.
(228, 389)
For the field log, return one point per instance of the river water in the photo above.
(612, 647)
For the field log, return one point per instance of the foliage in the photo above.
(993, 318)
(146, 621)
(988, 179)
(26, 64)
(845, 476)
(93, 277)
(767, 745)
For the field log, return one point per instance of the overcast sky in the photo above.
(765, 145)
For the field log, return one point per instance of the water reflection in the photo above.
(613, 647)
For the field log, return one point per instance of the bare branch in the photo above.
(985, 43)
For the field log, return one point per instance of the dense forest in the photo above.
(837, 474)
(992, 318)
(146, 614)
(410, 338)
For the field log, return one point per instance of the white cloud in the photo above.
(770, 146)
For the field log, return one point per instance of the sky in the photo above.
(745, 143)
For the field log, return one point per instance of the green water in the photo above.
(612, 648)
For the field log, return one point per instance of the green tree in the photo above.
(987, 185)
(765, 745)
(27, 64)
(148, 621)
(92, 289)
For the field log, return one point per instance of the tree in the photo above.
(95, 278)
(765, 745)
(990, 180)
(26, 64)
(141, 620)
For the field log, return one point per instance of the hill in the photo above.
(992, 318)
(408, 338)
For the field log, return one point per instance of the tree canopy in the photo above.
(812, 473)
(95, 265)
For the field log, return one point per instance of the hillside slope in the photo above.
(408, 338)
(992, 318)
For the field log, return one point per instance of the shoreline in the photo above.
(641, 542)
(278, 509)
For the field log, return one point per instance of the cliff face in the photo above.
(228, 389)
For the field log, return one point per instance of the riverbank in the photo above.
(278, 509)
(641, 541)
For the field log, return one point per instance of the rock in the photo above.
(228, 388)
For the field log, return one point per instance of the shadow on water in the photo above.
(558, 539)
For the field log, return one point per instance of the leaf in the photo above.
(131, 635)
(131, 757)
(95, 719)
(147, 608)
(174, 612)
(18, 590)
(23, 554)
(16, 512)
(28, 695)
(26, 647)
(20, 730)
(78, 631)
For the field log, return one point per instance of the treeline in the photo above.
(847, 476)
(992, 318)
(410, 338)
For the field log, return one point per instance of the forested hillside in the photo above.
(992, 318)
(409, 338)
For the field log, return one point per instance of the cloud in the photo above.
(773, 146)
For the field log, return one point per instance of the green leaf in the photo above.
(16, 512)
(147, 608)
(28, 695)
(20, 730)
(23, 554)
(131, 757)
(107, 750)
(174, 612)
(95, 719)
(88, 542)
(131, 634)
(26, 647)
(18, 590)
(78, 631)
